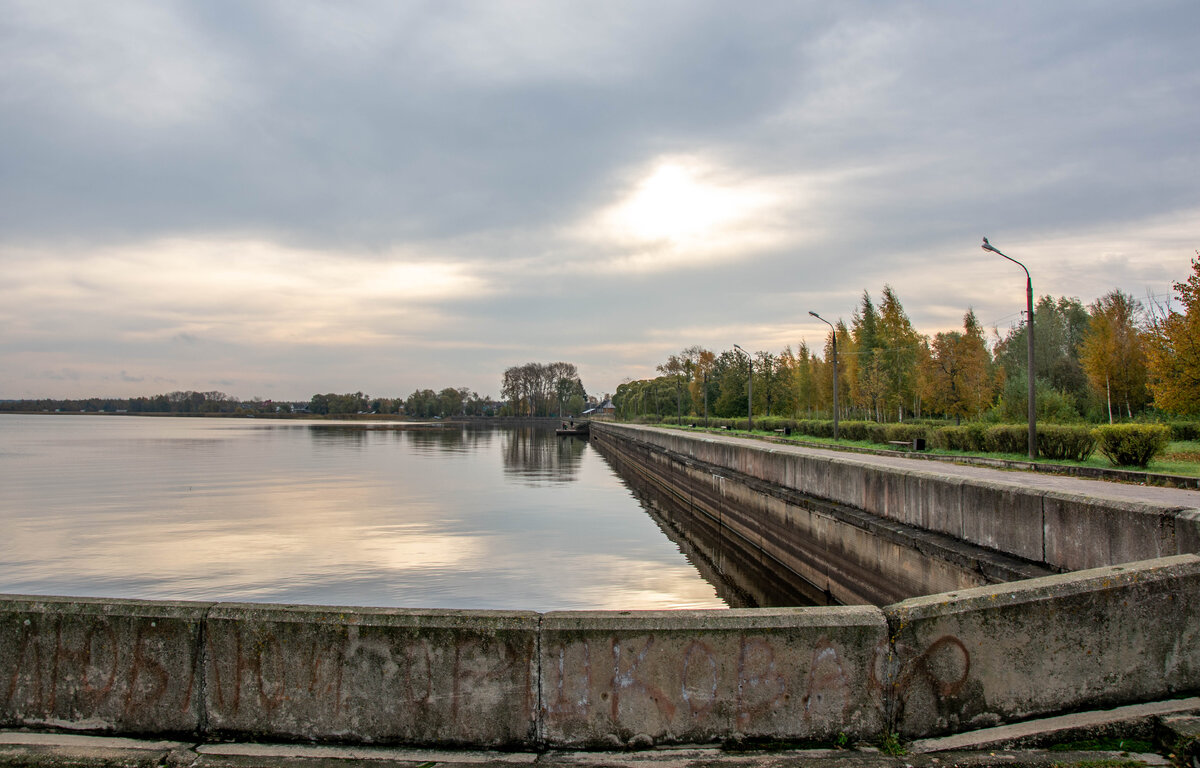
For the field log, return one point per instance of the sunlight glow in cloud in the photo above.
(684, 209)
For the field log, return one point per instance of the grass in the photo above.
(1181, 457)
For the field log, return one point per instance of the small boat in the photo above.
(571, 428)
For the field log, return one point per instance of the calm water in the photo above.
(269, 511)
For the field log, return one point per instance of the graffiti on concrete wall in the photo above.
(667, 684)
(114, 669)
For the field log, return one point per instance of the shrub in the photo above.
(1007, 438)
(1062, 442)
(853, 430)
(1131, 445)
(1185, 430)
(906, 432)
(877, 433)
(815, 427)
(968, 437)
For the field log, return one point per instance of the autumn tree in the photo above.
(702, 387)
(1113, 353)
(1174, 350)
(957, 372)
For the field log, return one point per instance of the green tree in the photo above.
(897, 357)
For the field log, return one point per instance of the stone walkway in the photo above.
(1177, 498)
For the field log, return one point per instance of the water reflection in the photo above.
(742, 575)
(535, 455)
(214, 509)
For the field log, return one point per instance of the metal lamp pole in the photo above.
(749, 390)
(835, 386)
(1029, 310)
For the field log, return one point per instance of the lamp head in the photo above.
(814, 314)
(988, 246)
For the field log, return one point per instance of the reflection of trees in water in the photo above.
(537, 455)
(453, 438)
(741, 574)
(333, 436)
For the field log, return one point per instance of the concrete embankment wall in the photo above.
(843, 554)
(924, 666)
(1060, 531)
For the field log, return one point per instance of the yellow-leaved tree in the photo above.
(1174, 350)
(1113, 353)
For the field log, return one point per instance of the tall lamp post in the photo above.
(835, 386)
(1030, 375)
(749, 390)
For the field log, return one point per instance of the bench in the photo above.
(916, 444)
(784, 431)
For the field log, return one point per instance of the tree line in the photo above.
(1111, 360)
(537, 389)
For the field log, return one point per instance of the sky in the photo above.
(276, 199)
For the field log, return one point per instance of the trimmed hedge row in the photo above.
(1126, 445)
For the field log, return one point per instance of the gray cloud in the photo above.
(380, 196)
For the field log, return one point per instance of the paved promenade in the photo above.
(1167, 497)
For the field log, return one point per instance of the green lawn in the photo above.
(1181, 457)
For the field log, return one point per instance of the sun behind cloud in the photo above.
(684, 208)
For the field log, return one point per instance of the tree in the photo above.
(703, 385)
(897, 362)
(957, 373)
(1174, 350)
(731, 373)
(1060, 325)
(866, 389)
(1113, 353)
(679, 369)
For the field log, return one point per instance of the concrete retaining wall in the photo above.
(1061, 531)
(930, 665)
(842, 554)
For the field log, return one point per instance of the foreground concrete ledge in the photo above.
(372, 675)
(1135, 719)
(639, 679)
(1105, 637)
(45, 751)
(125, 666)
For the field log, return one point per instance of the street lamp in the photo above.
(1029, 309)
(749, 391)
(835, 386)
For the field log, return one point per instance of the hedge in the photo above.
(1063, 442)
(1132, 445)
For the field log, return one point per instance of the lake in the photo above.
(327, 513)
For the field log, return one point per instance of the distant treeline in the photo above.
(172, 402)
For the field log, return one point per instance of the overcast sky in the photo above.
(275, 199)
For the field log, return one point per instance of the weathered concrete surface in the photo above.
(121, 666)
(45, 750)
(844, 554)
(521, 680)
(1026, 515)
(989, 655)
(1135, 721)
(372, 675)
(612, 679)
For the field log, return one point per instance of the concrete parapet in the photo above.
(1082, 532)
(372, 675)
(124, 666)
(482, 679)
(615, 679)
(1103, 637)
(1062, 531)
